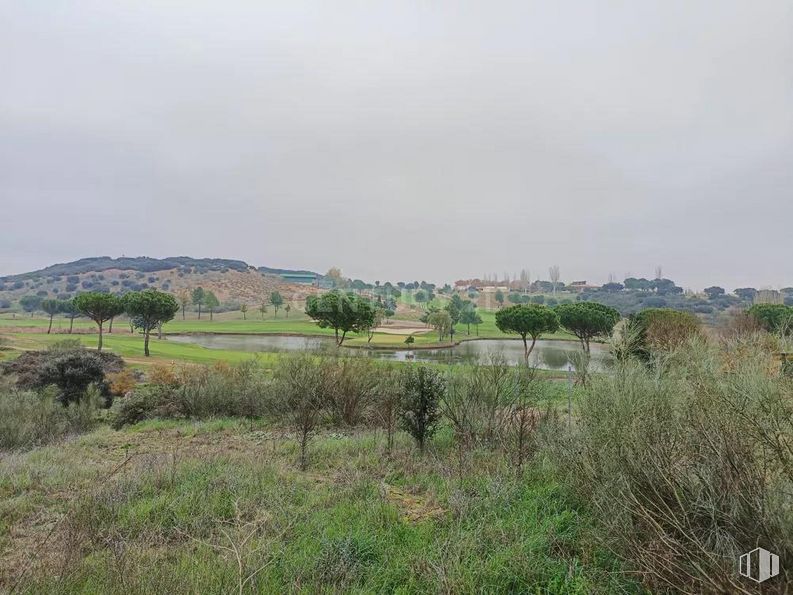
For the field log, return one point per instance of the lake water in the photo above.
(549, 355)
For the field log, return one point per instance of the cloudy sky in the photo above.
(401, 140)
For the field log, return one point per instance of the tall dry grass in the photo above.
(688, 463)
(29, 418)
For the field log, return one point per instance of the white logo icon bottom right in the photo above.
(759, 565)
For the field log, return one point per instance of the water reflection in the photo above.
(549, 355)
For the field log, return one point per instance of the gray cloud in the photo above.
(403, 140)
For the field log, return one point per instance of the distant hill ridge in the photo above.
(232, 281)
(145, 264)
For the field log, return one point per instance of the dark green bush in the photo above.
(422, 390)
(68, 366)
(775, 318)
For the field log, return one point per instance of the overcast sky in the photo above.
(403, 140)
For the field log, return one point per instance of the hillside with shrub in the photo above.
(232, 281)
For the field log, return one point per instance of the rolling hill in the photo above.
(233, 281)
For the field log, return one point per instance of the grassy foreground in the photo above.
(219, 506)
(280, 479)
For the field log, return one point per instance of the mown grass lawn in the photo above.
(297, 323)
(130, 347)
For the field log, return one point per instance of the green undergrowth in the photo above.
(210, 506)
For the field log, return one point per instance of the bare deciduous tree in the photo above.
(300, 382)
(553, 273)
(387, 404)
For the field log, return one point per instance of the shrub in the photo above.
(146, 402)
(302, 393)
(164, 375)
(120, 383)
(386, 405)
(422, 389)
(739, 324)
(68, 366)
(654, 302)
(72, 372)
(224, 390)
(688, 465)
(29, 419)
(473, 400)
(775, 318)
(351, 385)
(664, 330)
(198, 392)
(522, 418)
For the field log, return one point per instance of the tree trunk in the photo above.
(211, 312)
(146, 343)
(110, 329)
(71, 324)
(183, 307)
(527, 350)
(304, 450)
(199, 311)
(99, 348)
(343, 335)
(159, 331)
(49, 328)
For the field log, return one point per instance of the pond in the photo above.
(548, 355)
